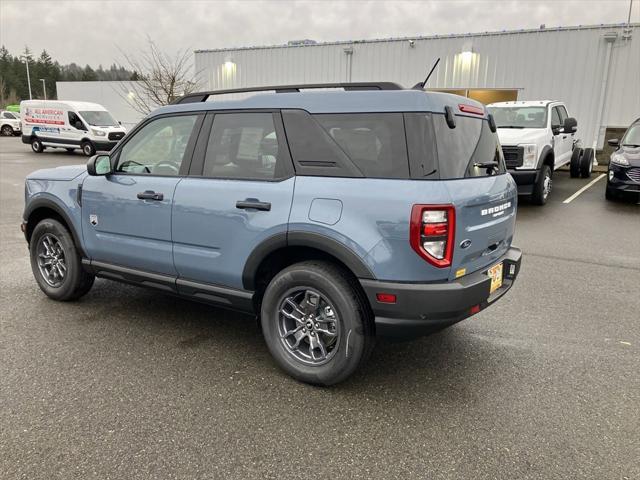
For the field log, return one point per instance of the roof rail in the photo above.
(204, 96)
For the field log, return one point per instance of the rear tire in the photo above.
(542, 188)
(56, 263)
(36, 145)
(307, 299)
(574, 166)
(586, 162)
(88, 149)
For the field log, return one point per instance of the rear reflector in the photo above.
(386, 297)
(471, 109)
(475, 309)
(431, 233)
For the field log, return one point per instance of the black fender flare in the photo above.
(51, 205)
(547, 150)
(314, 240)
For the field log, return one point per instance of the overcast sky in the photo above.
(93, 31)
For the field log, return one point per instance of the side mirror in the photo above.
(613, 142)
(570, 125)
(99, 165)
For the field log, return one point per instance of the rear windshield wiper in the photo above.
(509, 126)
(490, 166)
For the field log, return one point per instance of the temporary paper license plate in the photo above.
(495, 273)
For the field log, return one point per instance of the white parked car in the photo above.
(537, 138)
(10, 123)
(70, 125)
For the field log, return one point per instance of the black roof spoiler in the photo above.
(204, 96)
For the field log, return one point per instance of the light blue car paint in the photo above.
(196, 232)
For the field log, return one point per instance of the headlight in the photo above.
(619, 159)
(98, 133)
(530, 155)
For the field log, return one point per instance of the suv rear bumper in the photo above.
(423, 308)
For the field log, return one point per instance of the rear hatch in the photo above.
(484, 195)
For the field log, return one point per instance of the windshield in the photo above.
(519, 117)
(99, 119)
(632, 137)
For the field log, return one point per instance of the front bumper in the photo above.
(525, 180)
(105, 145)
(423, 308)
(619, 180)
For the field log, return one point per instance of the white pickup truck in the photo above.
(537, 138)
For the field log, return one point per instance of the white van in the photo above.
(69, 125)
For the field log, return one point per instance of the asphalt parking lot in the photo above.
(128, 383)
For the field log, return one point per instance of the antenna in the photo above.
(421, 85)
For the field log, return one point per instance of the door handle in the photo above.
(150, 195)
(252, 203)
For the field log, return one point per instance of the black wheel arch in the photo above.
(547, 157)
(290, 246)
(42, 208)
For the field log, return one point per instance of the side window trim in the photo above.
(200, 151)
(188, 153)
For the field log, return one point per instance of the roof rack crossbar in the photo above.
(204, 96)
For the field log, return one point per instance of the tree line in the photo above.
(13, 75)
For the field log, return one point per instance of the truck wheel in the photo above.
(7, 131)
(56, 263)
(542, 188)
(317, 326)
(88, 149)
(36, 145)
(586, 163)
(574, 166)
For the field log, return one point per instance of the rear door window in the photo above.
(375, 142)
(463, 148)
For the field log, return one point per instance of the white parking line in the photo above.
(588, 185)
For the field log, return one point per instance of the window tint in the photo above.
(8, 115)
(462, 148)
(243, 145)
(421, 145)
(158, 148)
(374, 142)
(74, 119)
(555, 117)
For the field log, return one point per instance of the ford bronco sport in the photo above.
(335, 215)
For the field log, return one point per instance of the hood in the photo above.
(631, 154)
(109, 128)
(68, 172)
(514, 136)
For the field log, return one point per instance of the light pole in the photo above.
(26, 61)
(44, 88)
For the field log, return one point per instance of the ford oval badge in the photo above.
(465, 243)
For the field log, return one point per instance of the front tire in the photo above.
(317, 326)
(36, 145)
(88, 149)
(56, 263)
(542, 188)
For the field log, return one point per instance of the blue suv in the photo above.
(334, 214)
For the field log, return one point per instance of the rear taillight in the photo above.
(431, 233)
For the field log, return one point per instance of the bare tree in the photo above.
(158, 78)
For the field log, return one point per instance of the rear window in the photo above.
(374, 142)
(463, 148)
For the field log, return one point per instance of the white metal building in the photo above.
(111, 95)
(594, 69)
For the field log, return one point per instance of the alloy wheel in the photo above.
(308, 326)
(51, 260)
